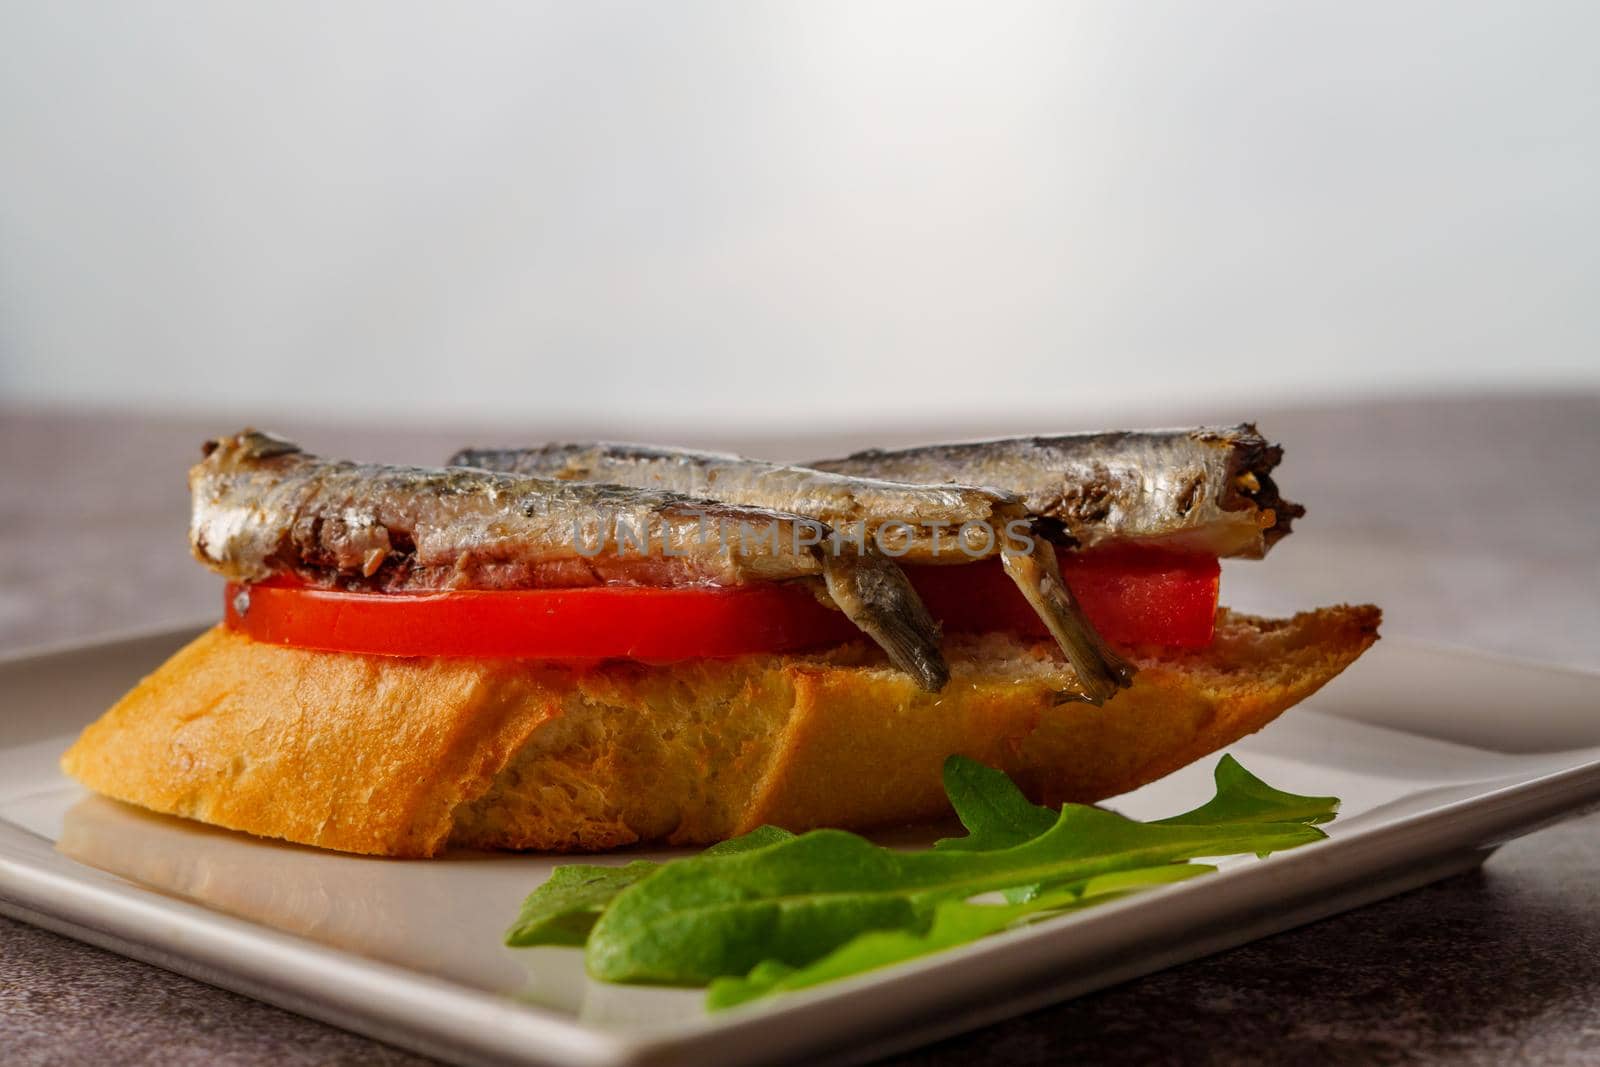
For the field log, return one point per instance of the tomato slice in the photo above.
(1130, 596)
(607, 622)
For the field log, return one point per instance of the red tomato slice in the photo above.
(568, 624)
(1130, 596)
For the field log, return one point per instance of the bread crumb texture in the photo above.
(404, 757)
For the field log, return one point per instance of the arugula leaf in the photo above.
(796, 901)
(760, 837)
(770, 911)
(1242, 797)
(955, 922)
(991, 807)
(997, 815)
(564, 909)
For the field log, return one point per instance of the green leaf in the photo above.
(1242, 797)
(954, 923)
(993, 810)
(796, 901)
(770, 911)
(566, 907)
(760, 837)
(1119, 882)
(997, 815)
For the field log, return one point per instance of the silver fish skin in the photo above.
(841, 501)
(262, 506)
(917, 510)
(1203, 490)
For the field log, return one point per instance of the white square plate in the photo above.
(1438, 757)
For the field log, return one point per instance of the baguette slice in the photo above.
(403, 757)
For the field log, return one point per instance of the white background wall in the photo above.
(795, 212)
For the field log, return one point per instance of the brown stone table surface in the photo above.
(1474, 521)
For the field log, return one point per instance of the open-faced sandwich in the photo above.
(581, 646)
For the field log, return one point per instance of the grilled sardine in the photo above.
(1203, 490)
(261, 506)
(835, 499)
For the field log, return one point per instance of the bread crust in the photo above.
(404, 757)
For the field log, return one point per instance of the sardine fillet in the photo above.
(261, 505)
(403, 757)
(1204, 490)
(908, 510)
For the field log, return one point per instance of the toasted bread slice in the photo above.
(402, 757)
